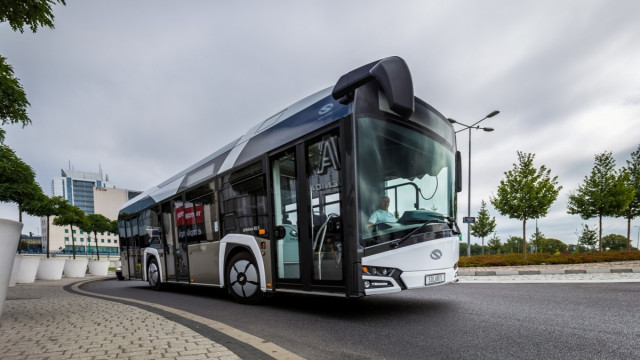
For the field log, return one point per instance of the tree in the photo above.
(551, 246)
(19, 13)
(588, 236)
(494, 244)
(633, 210)
(17, 180)
(513, 245)
(13, 99)
(484, 224)
(70, 215)
(614, 242)
(536, 237)
(526, 193)
(46, 206)
(603, 193)
(95, 223)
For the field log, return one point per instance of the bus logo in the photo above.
(436, 254)
(325, 109)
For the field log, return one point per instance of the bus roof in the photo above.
(303, 117)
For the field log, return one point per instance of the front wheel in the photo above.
(243, 279)
(153, 275)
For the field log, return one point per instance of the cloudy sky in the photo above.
(144, 89)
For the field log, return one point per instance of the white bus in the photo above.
(288, 206)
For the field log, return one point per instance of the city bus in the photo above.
(287, 208)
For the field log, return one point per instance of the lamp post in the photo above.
(469, 127)
(638, 243)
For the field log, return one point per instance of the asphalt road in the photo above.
(458, 321)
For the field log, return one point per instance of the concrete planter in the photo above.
(50, 269)
(17, 261)
(99, 267)
(9, 238)
(28, 269)
(75, 268)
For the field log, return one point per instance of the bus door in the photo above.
(306, 188)
(181, 256)
(135, 256)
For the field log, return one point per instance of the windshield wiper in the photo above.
(395, 244)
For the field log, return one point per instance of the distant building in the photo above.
(93, 195)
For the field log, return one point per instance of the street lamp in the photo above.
(638, 243)
(469, 127)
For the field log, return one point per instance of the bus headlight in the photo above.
(378, 271)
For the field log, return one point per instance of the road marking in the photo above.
(266, 347)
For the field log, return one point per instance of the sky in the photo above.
(144, 89)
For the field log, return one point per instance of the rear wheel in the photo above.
(243, 279)
(153, 274)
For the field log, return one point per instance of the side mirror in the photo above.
(458, 171)
(280, 232)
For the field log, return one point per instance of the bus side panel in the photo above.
(203, 263)
(124, 258)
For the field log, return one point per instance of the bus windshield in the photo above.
(406, 177)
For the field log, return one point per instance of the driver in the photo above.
(382, 215)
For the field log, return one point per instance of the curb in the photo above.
(546, 272)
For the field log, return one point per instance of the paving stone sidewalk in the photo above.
(43, 321)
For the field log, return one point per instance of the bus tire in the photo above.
(153, 274)
(243, 279)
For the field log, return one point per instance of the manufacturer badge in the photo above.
(436, 254)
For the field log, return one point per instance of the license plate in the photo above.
(434, 279)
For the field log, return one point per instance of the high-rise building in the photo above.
(94, 195)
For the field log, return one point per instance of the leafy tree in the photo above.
(526, 193)
(614, 242)
(17, 180)
(588, 236)
(70, 215)
(19, 13)
(46, 206)
(494, 244)
(484, 224)
(604, 192)
(32, 13)
(513, 245)
(13, 99)
(95, 223)
(536, 237)
(550, 246)
(475, 249)
(633, 210)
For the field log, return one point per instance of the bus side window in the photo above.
(201, 214)
(243, 200)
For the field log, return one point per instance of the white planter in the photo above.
(9, 238)
(28, 269)
(75, 268)
(50, 269)
(17, 261)
(99, 267)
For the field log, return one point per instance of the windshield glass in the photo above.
(406, 178)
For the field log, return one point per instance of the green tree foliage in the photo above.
(603, 193)
(614, 242)
(475, 249)
(526, 193)
(19, 13)
(70, 215)
(484, 224)
(17, 180)
(587, 236)
(536, 237)
(550, 246)
(494, 244)
(96, 223)
(633, 210)
(13, 99)
(46, 206)
(31, 13)
(513, 245)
